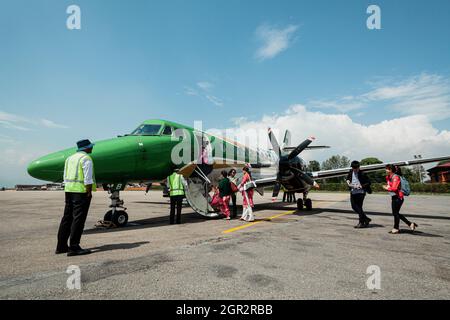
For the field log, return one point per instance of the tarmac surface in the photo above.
(293, 255)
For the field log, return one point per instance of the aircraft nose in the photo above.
(34, 169)
(47, 168)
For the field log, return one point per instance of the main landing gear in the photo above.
(117, 214)
(305, 202)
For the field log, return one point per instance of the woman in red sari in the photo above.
(247, 214)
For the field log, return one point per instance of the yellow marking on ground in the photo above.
(258, 221)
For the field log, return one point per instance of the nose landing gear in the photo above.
(117, 214)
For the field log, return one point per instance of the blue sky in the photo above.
(213, 61)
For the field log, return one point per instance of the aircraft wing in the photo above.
(373, 167)
(265, 182)
(289, 149)
(218, 163)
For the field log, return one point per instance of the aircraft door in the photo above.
(149, 156)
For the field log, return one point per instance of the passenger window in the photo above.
(167, 131)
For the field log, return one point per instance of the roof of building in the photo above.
(440, 167)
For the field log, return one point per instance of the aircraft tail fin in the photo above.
(287, 138)
(286, 146)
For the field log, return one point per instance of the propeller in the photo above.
(276, 190)
(302, 146)
(305, 177)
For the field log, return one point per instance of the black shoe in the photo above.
(366, 222)
(78, 251)
(359, 226)
(63, 250)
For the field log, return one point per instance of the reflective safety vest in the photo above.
(176, 184)
(74, 174)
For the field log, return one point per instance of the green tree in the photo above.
(411, 175)
(377, 176)
(335, 162)
(313, 166)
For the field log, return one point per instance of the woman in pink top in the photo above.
(247, 195)
(394, 187)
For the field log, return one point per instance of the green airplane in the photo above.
(150, 153)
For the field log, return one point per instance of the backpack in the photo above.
(404, 186)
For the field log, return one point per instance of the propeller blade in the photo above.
(302, 146)
(276, 190)
(307, 179)
(274, 142)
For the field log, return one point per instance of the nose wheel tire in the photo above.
(308, 204)
(119, 218)
(300, 204)
(108, 216)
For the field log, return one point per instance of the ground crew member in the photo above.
(79, 182)
(176, 192)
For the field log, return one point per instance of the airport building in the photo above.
(440, 173)
(48, 186)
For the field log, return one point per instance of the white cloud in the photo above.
(50, 124)
(14, 158)
(214, 100)
(205, 85)
(6, 139)
(341, 105)
(13, 121)
(204, 90)
(190, 92)
(274, 40)
(427, 94)
(10, 125)
(424, 94)
(390, 140)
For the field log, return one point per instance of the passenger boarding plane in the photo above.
(146, 155)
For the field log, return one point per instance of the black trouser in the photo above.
(396, 205)
(72, 222)
(357, 201)
(178, 202)
(234, 206)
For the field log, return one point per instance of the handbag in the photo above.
(234, 187)
(250, 185)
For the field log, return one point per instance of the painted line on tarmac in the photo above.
(258, 221)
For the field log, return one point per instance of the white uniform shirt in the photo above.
(356, 185)
(87, 170)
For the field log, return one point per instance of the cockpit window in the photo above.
(167, 131)
(147, 130)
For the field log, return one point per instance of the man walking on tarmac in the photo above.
(176, 192)
(79, 182)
